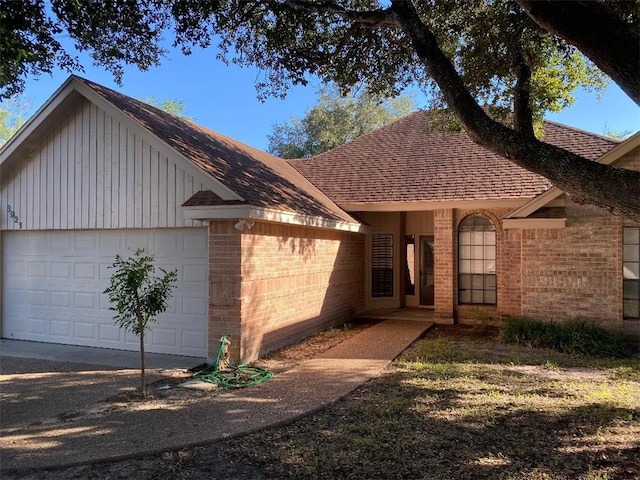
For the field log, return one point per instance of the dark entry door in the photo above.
(426, 270)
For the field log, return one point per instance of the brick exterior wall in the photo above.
(225, 285)
(510, 273)
(574, 271)
(276, 284)
(554, 274)
(444, 264)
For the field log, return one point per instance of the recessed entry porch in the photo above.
(400, 261)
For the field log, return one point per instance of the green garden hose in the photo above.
(222, 373)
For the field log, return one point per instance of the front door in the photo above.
(426, 270)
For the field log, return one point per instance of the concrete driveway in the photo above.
(48, 390)
(39, 381)
(34, 390)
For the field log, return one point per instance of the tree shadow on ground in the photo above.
(382, 431)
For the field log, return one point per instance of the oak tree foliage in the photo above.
(13, 114)
(335, 120)
(176, 108)
(523, 56)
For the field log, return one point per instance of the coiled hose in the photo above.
(222, 373)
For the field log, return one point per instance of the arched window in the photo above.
(631, 273)
(477, 261)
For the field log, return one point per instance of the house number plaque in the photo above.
(13, 216)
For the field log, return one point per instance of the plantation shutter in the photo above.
(382, 265)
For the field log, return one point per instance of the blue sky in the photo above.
(223, 97)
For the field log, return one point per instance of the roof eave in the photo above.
(554, 192)
(38, 120)
(432, 205)
(250, 212)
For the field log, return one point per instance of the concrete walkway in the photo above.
(286, 397)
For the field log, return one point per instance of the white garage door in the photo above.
(53, 283)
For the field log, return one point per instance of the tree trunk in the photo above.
(142, 364)
(610, 43)
(614, 189)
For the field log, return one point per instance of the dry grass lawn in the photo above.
(457, 405)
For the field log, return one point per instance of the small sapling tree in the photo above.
(138, 295)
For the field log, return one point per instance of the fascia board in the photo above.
(229, 212)
(534, 223)
(620, 150)
(37, 119)
(427, 206)
(554, 192)
(538, 202)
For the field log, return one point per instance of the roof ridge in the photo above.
(398, 164)
(580, 130)
(380, 131)
(377, 132)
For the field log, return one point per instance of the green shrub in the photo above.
(577, 335)
(138, 296)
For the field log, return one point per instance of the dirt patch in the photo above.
(457, 405)
(175, 388)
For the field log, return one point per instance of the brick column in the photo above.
(225, 281)
(444, 265)
(509, 286)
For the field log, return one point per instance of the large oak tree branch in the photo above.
(612, 44)
(522, 113)
(615, 189)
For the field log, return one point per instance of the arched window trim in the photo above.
(477, 248)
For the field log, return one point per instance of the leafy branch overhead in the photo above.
(526, 57)
(13, 114)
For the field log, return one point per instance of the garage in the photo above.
(95, 173)
(53, 282)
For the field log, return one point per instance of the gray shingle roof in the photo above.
(405, 162)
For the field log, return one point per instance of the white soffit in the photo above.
(430, 206)
(229, 212)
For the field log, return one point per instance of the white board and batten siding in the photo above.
(98, 185)
(97, 171)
